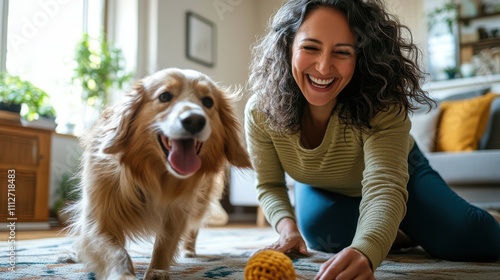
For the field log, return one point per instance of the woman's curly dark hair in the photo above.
(387, 71)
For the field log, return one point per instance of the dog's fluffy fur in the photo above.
(141, 176)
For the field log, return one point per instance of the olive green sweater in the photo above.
(373, 166)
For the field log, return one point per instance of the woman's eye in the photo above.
(310, 48)
(343, 53)
(207, 102)
(165, 97)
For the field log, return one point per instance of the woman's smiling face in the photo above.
(323, 56)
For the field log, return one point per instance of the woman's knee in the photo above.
(331, 239)
(326, 220)
(474, 238)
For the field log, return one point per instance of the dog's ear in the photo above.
(236, 154)
(123, 119)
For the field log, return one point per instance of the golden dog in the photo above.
(150, 167)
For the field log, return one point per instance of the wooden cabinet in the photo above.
(478, 33)
(26, 150)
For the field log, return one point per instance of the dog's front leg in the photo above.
(164, 251)
(189, 246)
(105, 255)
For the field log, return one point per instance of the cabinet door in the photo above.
(26, 152)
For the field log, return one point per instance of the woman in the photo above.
(333, 82)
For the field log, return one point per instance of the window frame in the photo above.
(4, 19)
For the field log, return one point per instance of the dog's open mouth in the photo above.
(182, 154)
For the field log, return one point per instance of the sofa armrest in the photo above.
(465, 168)
(242, 187)
(491, 137)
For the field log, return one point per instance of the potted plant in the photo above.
(66, 193)
(16, 93)
(444, 13)
(451, 72)
(100, 67)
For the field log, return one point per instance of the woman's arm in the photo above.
(270, 181)
(384, 193)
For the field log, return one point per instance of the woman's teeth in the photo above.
(322, 83)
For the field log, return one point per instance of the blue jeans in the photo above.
(439, 220)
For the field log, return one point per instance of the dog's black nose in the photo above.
(193, 122)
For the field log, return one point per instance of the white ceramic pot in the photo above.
(467, 70)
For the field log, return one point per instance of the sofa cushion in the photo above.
(462, 123)
(424, 128)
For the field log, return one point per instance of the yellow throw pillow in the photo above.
(462, 123)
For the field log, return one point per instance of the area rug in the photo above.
(223, 254)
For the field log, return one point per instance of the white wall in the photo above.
(265, 10)
(411, 13)
(234, 22)
(65, 157)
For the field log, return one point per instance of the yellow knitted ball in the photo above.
(269, 265)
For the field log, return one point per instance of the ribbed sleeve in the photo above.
(348, 162)
(384, 193)
(271, 188)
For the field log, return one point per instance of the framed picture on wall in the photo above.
(200, 39)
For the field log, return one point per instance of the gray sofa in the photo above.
(475, 175)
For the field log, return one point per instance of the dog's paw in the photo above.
(189, 254)
(118, 275)
(67, 258)
(156, 274)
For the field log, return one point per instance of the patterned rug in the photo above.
(223, 253)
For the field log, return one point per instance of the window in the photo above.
(37, 43)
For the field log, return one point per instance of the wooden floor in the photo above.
(60, 232)
(35, 234)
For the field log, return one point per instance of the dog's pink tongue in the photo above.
(183, 156)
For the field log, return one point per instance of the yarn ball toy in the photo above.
(269, 265)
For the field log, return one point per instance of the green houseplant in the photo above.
(447, 12)
(451, 72)
(100, 67)
(17, 91)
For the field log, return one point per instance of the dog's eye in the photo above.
(165, 97)
(207, 102)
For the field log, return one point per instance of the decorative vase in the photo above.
(467, 70)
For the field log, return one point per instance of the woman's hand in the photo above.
(290, 238)
(347, 264)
